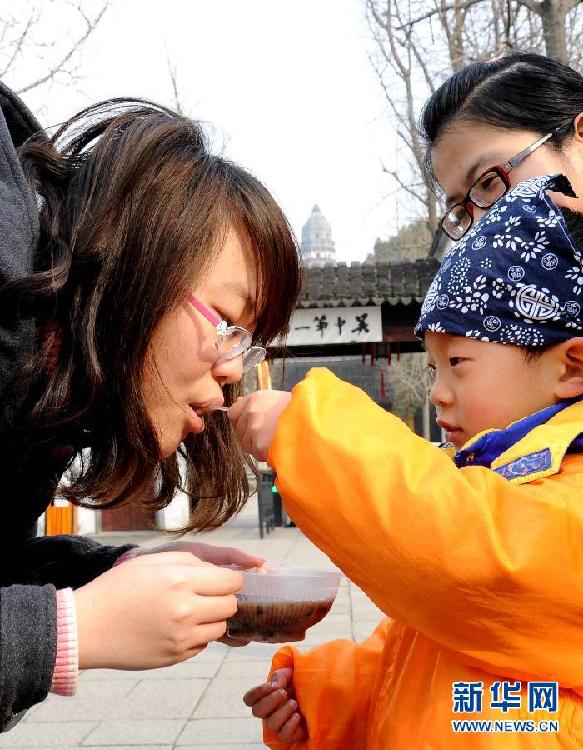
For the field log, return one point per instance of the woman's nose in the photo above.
(228, 371)
(478, 213)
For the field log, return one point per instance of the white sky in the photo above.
(286, 84)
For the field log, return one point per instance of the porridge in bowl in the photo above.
(278, 605)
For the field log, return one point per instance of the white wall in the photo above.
(88, 521)
(175, 515)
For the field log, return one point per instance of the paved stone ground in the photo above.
(195, 705)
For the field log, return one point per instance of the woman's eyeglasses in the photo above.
(490, 186)
(232, 341)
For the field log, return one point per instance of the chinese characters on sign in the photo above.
(335, 325)
(467, 697)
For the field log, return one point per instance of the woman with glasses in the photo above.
(140, 276)
(494, 124)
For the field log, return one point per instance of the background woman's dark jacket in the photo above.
(31, 568)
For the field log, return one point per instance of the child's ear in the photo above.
(570, 384)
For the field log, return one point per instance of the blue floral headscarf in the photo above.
(515, 278)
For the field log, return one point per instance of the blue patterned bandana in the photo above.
(515, 278)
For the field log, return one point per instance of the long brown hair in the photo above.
(132, 206)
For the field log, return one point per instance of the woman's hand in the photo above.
(217, 556)
(255, 417)
(209, 553)
(153, 611)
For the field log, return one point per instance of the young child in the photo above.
(477, 562)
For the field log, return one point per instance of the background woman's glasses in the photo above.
(490, 186)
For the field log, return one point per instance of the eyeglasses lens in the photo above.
(234, 342)
(253, 357)
(486, 191)
(456, 222)
(489, 188)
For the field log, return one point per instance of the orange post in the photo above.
(61, 518)
(263, 376)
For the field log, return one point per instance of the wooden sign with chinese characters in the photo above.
(335, 325)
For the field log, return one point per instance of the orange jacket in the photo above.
(481, 577)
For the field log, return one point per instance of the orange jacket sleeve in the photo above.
(487, 569)
(334, 684)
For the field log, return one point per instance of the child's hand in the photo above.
(254, 418)
(274, 702)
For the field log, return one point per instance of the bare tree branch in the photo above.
(60, 66)
(437, 11)
(553, 16)
(532, 5)
(174, 82)
(409, 378)
(404, 185)
(19, 44)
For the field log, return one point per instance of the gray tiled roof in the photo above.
(367, 283)
(365, 375)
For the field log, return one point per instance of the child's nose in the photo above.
(440, 394)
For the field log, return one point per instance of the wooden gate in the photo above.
(128, 518)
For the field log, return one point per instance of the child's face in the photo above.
(481, 385)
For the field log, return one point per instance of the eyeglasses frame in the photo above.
(224, 330)
(503, 171)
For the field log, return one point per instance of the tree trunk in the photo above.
(553, 15)
(431, 204)
(456, 52)
(427, 418)
(554, 20)
(452, 22)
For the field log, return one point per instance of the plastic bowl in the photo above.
(279, 604)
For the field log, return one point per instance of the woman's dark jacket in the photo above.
(31, 568)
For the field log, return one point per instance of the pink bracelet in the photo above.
(128, 555)
(66, 672)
